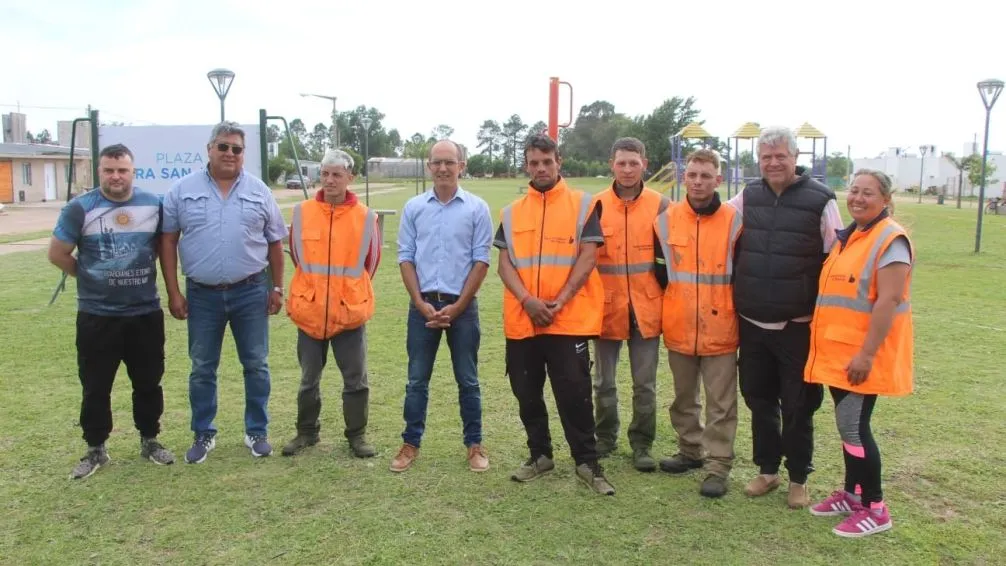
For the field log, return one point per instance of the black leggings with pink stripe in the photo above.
(862, 457)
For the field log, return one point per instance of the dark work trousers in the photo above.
(103, 342)
(771, 380)
(349, 348)
(567, 361)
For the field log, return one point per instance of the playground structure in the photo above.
(818, 169)
(750, 131)
(667, 180)
(735, 176)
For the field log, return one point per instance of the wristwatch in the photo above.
(278, 290)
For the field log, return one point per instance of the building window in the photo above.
(26, 174)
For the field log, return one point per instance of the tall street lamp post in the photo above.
(335, 118)
(923, 149)
(990, 90)
(221, 80)
(366, 121)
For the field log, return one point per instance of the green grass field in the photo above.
(24, 236)
(943, 458)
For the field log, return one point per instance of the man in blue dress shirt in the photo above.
(443, 252)
(233, 229)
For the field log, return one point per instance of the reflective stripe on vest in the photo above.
(327, 269)
(552, 260)
(663, 230)
(624, 269)
(861, 303)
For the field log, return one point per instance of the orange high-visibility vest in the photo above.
(699, 318)
(543, 233)
(848, 291)
(331, 290)
(625, 263)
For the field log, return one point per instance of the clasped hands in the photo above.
(438, 318)
(542, 312)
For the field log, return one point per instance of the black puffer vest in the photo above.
(781, 250)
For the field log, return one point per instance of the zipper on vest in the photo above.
(628, 287)
(541, 245)
(698, 219)
(328, 266)
(814, 324)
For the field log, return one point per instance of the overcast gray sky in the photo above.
(868, 74)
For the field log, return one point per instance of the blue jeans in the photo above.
(463, 338)
(244, 307)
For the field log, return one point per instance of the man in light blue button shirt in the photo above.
(444, 239)
(233, 229)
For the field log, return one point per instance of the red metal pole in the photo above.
(553, 108)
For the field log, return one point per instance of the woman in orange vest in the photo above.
(336, 246)
(861, 344)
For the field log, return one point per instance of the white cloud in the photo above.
(868, 74)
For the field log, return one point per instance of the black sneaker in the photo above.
(154, 451)
(95, 458)
(679, 464)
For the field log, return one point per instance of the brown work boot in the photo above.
(762, 484)
(477, 459)
(406, 456)
(798, 496)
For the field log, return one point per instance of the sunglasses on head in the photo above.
(235, 149)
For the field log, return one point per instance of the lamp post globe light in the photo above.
(335, 117)
(990, 89)
(366, 121)
(221, 80)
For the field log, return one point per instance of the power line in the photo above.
(41, 107)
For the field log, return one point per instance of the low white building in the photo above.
(938, 173)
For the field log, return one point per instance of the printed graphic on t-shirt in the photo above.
(116, 258)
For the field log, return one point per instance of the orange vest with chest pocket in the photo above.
(331, 289)
(625, 263)
(699, 318)
(848, 291)
(542, 232)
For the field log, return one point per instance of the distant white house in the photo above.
(937, 172)
(396, 167)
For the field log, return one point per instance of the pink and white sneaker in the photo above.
(836, 504)
(864, 522)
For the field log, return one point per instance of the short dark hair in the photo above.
(116, 151)
(629, 144)
(542, 143)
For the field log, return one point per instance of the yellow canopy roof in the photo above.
(808, 131)
(748, 131)
(693, 130)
